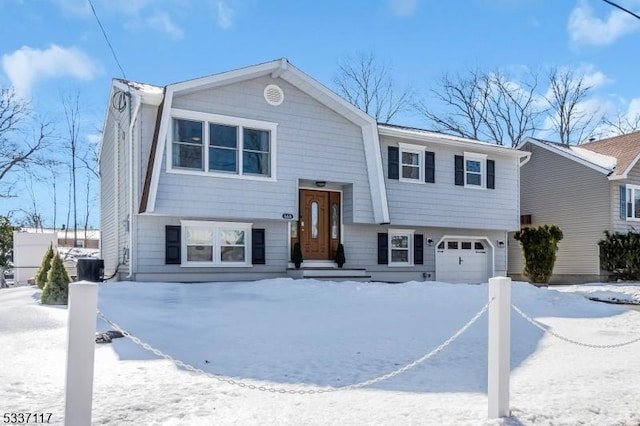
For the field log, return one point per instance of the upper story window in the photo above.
(225, 146)
(633, 202)
(473, 170)
(411, 163)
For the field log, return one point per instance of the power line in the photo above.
(622, 8)
(113, 52)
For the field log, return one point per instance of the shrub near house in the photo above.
(539, 247)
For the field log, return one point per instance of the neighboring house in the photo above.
(218, 177)
(30, 245)
(585, 190)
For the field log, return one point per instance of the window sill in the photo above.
(221, 175)
(216, 265)
(399, 265)
(476, 187)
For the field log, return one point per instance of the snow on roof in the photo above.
(606, 162)
(143, 87)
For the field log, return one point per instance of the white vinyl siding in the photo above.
(443, 204)
(314, 143)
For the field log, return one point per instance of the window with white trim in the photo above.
(411, 163)
(216, 243)
(401, 247)
(221, 145)
(475, 170)
(633, 202)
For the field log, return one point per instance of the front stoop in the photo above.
(330, 274)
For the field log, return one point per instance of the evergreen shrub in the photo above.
(539, 246)
(56, 290)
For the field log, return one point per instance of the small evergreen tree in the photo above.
(340, 259)
(56, 290)
(43, 271)
(539, 246)
(296, 256)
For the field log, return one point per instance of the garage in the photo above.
(463, 260)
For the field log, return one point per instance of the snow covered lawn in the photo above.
(305, 334)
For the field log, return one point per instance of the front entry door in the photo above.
(318, 227)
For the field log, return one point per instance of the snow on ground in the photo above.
(306, 334)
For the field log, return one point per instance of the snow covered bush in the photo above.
(539, 246)
(56, 290)
(41, 275)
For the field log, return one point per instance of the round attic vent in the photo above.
(273, 95)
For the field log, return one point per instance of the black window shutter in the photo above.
(623, 202)
(418, 249)
(459, 166)
(258, 251)
(172, 245)
(491, 174)
(383, 248)
(429, 167)
(394, 162)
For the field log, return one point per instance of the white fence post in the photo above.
(499, 346)
(83, 305)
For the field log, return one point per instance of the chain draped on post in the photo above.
(546, 329)
(358, 385)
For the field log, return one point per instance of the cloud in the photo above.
(586, 28)
(26, 66)
(161, 21)
(225, 14)
(403, 7)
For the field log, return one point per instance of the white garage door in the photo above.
(462, 261)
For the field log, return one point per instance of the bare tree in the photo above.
(621, 124)
(368, 84)
(487, 106)
(71, 106)
(19, 142)
(567, 92)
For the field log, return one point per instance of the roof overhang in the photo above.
(443, 139)
(625, 173)
(556, 150)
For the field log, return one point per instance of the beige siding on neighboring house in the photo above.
(560, 191)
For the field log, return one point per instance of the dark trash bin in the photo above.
(90, 270)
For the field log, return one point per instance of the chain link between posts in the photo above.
(251, 386)
(546, 329)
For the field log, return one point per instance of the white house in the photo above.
(218, 177)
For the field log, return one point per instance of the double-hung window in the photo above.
(633, 202)
(475, 170)
(221, 145)
(401, 247)
(217, 244)
(411, 163)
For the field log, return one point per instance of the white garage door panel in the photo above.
(457, 265)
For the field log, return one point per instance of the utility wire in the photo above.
(622, 8)
(113, 52)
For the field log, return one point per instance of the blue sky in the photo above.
(50, 48)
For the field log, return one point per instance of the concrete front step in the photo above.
(331, 274)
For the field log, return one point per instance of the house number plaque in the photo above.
(287, 216)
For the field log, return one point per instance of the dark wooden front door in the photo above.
(319, 227)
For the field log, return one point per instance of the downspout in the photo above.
(133, 188)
